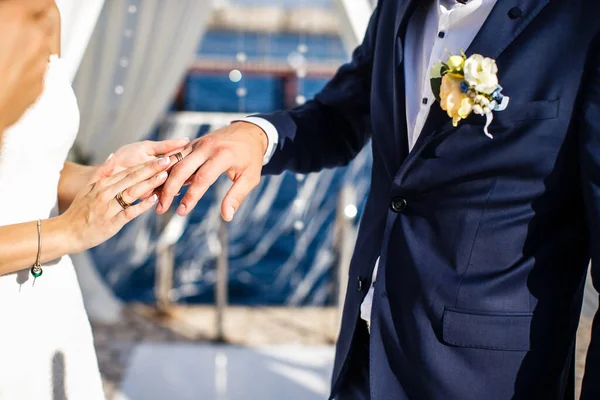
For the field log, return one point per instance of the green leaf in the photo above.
(436, 85)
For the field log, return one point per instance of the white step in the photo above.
(226, 372)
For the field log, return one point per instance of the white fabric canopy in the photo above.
(138, 54)
(78, 22)
(354, 19)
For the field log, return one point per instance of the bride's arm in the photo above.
(94, 217)
(19, 244)
(73, 178)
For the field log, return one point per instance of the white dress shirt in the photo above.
(432, 32)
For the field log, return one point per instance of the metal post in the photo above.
(221, 294)
(165, 265)
(345, 240)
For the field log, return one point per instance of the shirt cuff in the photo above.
(270, 131)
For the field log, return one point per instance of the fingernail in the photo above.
(153, 199)
(164, 161)
(185, 139)
(162, 176)
(109, 157)
(181, 209)
(230, 213)
(159, 207)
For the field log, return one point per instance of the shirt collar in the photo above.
(452, 5)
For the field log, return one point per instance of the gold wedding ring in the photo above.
(125, 205)
(179, 156)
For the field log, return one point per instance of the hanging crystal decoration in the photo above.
(241, 57)
(236, 75)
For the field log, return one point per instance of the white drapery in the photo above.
(78, 21)
(138, 54)
(354, 19)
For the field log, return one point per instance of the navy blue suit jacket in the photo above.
(485, 250)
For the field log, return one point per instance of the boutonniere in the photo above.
(464, 85)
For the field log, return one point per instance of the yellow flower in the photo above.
(456, 64)
(452, 99)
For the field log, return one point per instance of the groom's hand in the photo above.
(236, 150)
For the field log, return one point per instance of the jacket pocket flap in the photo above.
(483, 330)
(534, 110)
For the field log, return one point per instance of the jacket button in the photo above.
(515, 13)
(360, 284)
(398, 204)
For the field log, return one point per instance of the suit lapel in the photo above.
(405, 8)
(506, 21)
(500, 29)
(403, 13)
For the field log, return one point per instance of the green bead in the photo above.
(37, 271)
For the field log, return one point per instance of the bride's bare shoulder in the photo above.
(54, 19)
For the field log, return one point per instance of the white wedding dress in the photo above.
(46, 347)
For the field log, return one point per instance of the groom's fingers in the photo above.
(237, 194)
(180, 173)
(166, 146)
(204, 178)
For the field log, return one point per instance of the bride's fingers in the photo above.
(123, 180)
(138, 191)
(105, 170)
(148, 194)
(145, 188)
(136, 184)
(157, 166)
(135, 211)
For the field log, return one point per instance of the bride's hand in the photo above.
(96, 215)
(138, 153)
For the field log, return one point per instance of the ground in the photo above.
(244, 326)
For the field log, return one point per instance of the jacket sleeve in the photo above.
(330, 130)
(590, 172)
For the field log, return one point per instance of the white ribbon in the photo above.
(489, 116)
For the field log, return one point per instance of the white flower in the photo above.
(480, 73)
(477, 109)
(481, 100)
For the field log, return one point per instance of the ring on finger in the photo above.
(119, 197)
(178, 156)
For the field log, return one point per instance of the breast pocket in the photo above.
(521, 120)
(526, 111)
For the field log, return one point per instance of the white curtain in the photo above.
(78, 22)
(138, 54)
(354, 18)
